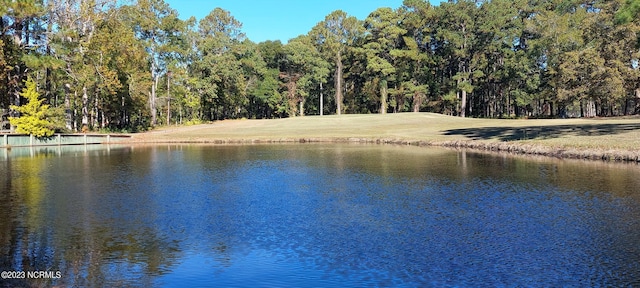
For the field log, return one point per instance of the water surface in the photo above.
(316, 215)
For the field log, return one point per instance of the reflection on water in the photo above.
(316, 215)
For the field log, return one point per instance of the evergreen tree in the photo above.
(32, 119)
(384, 36)
(334, 36)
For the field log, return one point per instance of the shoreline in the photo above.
(604, 139)
(513, 148)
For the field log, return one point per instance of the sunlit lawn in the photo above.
(600, 133)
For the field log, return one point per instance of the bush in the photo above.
(194, 121)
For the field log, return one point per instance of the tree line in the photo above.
(99, 64)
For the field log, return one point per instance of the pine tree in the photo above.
(32, 118)
(334, 36)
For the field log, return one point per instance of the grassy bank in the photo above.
(610, 139)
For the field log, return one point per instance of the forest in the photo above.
(107, 66)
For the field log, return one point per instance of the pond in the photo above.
(314, 215)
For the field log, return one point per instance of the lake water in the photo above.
(315, 215)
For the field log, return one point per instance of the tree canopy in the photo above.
(494, 58)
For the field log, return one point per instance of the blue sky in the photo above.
(280, 19)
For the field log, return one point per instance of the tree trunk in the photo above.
(168, 102)
(85, 109)
(291, 97)
(338, 83)
(152, 100)
(74, 113)
(383, 97)
(418, 99)
(95, 114)
(590, 109)
(123, 109)
(626, 107)
(302, 107)
(463, 103)
(637, 101)
(97, 119)
(321, 100)
(68, 115)
(509, 107)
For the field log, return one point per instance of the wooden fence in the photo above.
(21, 140)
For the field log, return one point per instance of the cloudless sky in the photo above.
(280, 19)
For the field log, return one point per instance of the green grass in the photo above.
(600, 134)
